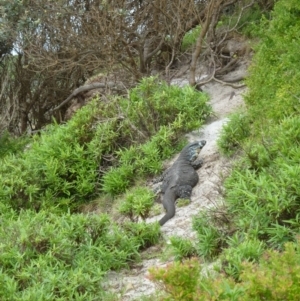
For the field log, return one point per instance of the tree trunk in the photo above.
(212, 8)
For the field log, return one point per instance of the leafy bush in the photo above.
(240, 250)
(190, 38)
(184, 281)
(210, 236)
(61, 167)
(179, 280)
(10, 145)
(46, 251)
(274, 95)
(138, 202)
(153, 104)
(65, 255)
(233, 133)
(274, 277)
(262, 192)
(182, 248)
(118, 179)
(145, 234)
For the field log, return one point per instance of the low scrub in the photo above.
(44, 256)
(274, 277)
(137, 203)
(234, 133)
(262, 192)
(102, 148)
(255, 239)
(182, 248)
(48, 251)
(212, 228)
(11, 145)
(274, 94)
(178, 280)
(262, 195)
(240, 248)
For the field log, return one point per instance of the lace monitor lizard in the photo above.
(178, 180)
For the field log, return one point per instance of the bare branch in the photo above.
(85, 88)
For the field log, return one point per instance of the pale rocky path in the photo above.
(133, 284)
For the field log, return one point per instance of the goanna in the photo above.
(178, 181)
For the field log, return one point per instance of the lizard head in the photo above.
(194, 148)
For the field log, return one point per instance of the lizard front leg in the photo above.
(184, 191)
(197, 164)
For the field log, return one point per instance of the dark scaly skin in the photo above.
(180, 178)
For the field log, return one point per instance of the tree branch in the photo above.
(87, 88)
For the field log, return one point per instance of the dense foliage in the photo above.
(50, 251)
(255, 235)
(262, 193)
(276, 277)
(103, 148)
(46, 256)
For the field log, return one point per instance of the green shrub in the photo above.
(182, 248)
(10, 145)
(210, 236)
(137, 203)
(239, 250)
(64, 257)
(179, 280)
(183, 281)
(259, 154)
(145, 234)
(262, 192)
(64, 166)
(190, 38)
(150, 161)
(58, 169)
(128, 156)
(118, 179)
(274, 95)
(276, 277)
(41, 250)
(153, 104)
(233, 133)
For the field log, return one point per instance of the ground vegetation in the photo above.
(253, 237)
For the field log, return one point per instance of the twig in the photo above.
(228, 84)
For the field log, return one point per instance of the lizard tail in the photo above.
(169, 214)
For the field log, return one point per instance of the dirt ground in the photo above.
(133, 284)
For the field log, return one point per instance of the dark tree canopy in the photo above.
(48, 48)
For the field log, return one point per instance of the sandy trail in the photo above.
(133, 284)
